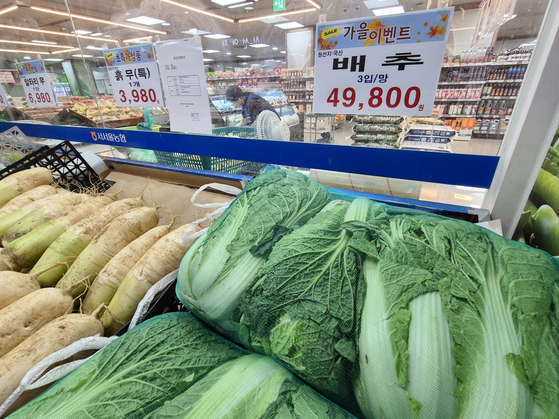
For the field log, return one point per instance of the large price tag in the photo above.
(134, 76)
(3, 99)
(380, 66)
(36, 83)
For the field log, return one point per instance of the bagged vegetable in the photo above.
(171, 366)
(405, 314)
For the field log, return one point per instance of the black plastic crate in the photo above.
(69, 169)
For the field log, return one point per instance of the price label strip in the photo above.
(380, 66)
(134, 76)
(36, 83)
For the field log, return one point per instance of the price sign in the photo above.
(36, 83)
(134, 76)
(374, 66)
(3, 99)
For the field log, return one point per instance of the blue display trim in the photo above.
(446, 168)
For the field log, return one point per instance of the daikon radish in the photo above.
(161, 259)
(26, 315)
(70, 244)
(52, 337)
(20, 182)
(110, 277)
(24, 252)
(112, 239)
(27, 197)
(15, 285)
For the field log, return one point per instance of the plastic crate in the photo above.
(69, 169)
(246, 132)
(15, 145)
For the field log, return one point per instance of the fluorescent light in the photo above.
(94, 19)
(93, 47)
(138, 39)
(259, 45)
(282, 52)
(9, 41)
(8, 9)
(289, 25)
(165, 24)
(211, 51)
(24, 51)
(248, 3)
(195, 31)
(97, 34)
(274, 20)
(43, 42)
(207, 59)
(249, 8)
(66, 50)
(27, 57)
(388, 11)
(462, 29)
(315, 4)
(293, 12)
(226, 2)
(275, 48)
(375, 4)
(217, 36)
(145, 20)
(227, 53)
(57, 60)
(21, 28)
(81, 32)
(194, 9)
(82, 56)
(243, 56)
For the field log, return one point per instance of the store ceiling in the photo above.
(530, 14)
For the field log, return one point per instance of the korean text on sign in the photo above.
(36, 83)
(134, 76)
(387, 66)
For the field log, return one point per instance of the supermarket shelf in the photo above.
(297, 90)
(242, 78)
(499, 97)
(449, 115)
(457, 100)
(505, 81)
(492, 63)
(447, 83)
(301, 100)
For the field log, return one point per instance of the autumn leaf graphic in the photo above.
(441, 31)
(426, 24)
(419, 33)
(444, 18)
(375, 26)
(433, 31)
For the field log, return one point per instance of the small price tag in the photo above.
(3, 99)
(36, 83)
(386, 66)
(134, 76)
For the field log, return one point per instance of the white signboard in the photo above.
(184, 81)
(36, 83)
(3, 99)
(380, 66)
(134, 76)
(6, 77)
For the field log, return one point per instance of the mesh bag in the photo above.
(390, 313)
(172, 366)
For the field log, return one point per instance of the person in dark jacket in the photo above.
(251, 104)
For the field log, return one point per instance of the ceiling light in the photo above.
(8, 9)
(94, 19)
(282, 52)
(274, 20)
(138, 39)
(194, 9)
(314, 3)
(243, 56)
(145, 20)
(9, 41)
(293, 12)
(21, 28)
(97, 34)
(195, 31)
(226, 2)
(81, 32)
(227, 53)
(43, 42)
(217, 36)
(375, 4)
(248, 3)
(94, 48)
(207, 59)
(66, 50)
(210, 51)
(275, 48)
(82, 56)
(56, 60)
(388, 11)
(289, 25)
(24, 51)
(249, 8)
(165, 24)
(106, 36)
(27, 57)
